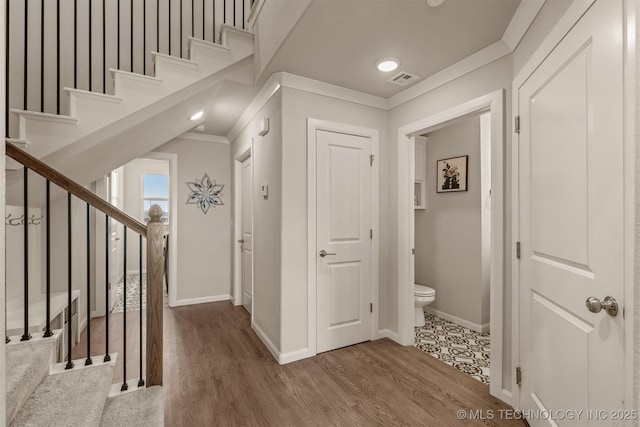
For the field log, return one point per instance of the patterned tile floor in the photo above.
(460, 347)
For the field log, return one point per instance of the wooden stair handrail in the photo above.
(74, 188)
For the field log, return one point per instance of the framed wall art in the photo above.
(452, 174)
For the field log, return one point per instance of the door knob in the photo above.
(324, 253)
(609, 304)
(241, 241)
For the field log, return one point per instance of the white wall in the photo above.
(449, 230)
(133, 203)
(204, 259)
(3, 383)
(267, 213)
(298, 106)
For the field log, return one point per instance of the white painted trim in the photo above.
(207, 45)
(465, 66)
(201, 300)
(135, 77)
(566, 22)
(521, 21)
(226, 28)
(294, 356)
(59, 368)
(132, 387)
(159, 57)
(313, 125)
(243, 154)
(255, 12)
(94, 96)
(130, 272)
(493, 102)
(631, 242)
(172, 158)
(338, 92)
(388, 333)
(260, 100)
(204, 137)
(458, 320)
(45, 117)
(265, 340)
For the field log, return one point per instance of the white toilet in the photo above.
(422, 295)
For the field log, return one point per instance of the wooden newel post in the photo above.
(155, 271)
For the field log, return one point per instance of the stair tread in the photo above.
(27, 365)
(144, 407)
(136, 75)
(37, 114)
(72, 398)
(192, 40)
(174, 59)
(93, 94)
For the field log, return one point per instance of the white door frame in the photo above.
(566, 23)
(314, 125)
(494, 103)
(243, 154)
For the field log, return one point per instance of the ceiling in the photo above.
(340, 41)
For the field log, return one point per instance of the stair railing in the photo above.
(54, 44)
(153, 232)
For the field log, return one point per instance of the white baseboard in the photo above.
(266, 341)
(130, 272)
(505, 395)
(388, 333)
(202, 300)
(455, 319)
(294, 356)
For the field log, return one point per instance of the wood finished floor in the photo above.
(218, 373)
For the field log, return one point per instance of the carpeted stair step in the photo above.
(27, 365)
(144, 407)
(73, 398)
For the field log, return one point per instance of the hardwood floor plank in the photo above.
(218, 373)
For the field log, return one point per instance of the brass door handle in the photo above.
(609, 304)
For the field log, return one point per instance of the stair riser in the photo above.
(137, 94)
(210, 60)
(240, 43)
(176, 75)
(45, 136)
(93, 114)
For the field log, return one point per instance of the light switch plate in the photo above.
(264, 190)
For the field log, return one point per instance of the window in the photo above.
(155, 191)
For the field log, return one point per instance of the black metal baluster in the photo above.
(157, 25)
(88, 361)
(181, 28)
(234, 13)
(203, 9)
(213, 22)
(48, 332)
(193, 18)
(69, 286)
(26, 336)
(118, 35)
(131, 26)
(26, 57)
(169, 32)
(75, 44)
(58, 57)
(90, 43)
(41, 56)
(141, 381)
(104, 47)
(124, 317)
(6, 72)
(107, 286)
(144, 37)
(224, 11)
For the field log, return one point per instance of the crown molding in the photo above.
(204, 137)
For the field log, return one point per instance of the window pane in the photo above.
(156, 186)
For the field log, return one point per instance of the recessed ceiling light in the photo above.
(197, 115)
(387, 64)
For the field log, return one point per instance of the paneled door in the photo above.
(344, 183)
(116, 231)
(571, 185)
(247, 235)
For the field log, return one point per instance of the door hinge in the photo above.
(413, 251)
(370, 307)
(517, 124)
(371, 159)
(371, 233)
(518, 250)
(518, 376)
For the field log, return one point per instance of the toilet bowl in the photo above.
(422, 295)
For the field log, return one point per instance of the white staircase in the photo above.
(42, 393)
(46, 134)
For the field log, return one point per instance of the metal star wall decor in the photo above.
(205, 193)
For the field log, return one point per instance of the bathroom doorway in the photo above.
(453, 230)
(493, 104)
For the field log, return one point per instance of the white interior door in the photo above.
(115, 235)
(344, 182)
(571, 221)
(247, 235)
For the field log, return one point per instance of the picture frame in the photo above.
(452, 174)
